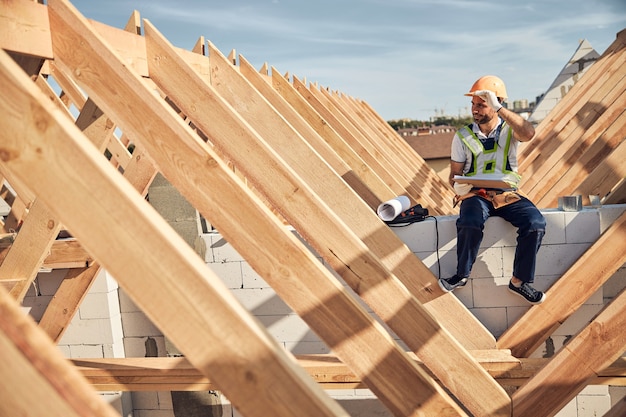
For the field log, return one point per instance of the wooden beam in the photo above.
(66, 301)
(586, 162)
(601, 123)
(566, 295)
(178, 81)
(177, 374)
(33, 367)
(340, 199)
(576, 365)
(24, 28)
(306, 132)
(238, 215)
(377, 184)
(608, 174)
(327, 234)
(63, 170)
(32, 245)
(360, 219)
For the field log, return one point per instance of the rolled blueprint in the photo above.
(391, 209)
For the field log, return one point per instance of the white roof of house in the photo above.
(580, 62)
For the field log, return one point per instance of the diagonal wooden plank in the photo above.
(249, 225)
(587, 160)
(66, 301)
(306, 131)
(358, 217)
(586, 130)
(609, 173)
(335, 242)
(596, 77)
(382, 241)
(429, 182)
(382, 186)
(385, 377)
(566, 295)
(360, 143)
(24, 28)
(33, 368)
(576, 364)
(45, 150)
(31, 247)
(349, 136)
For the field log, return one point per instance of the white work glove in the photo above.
(490, 97)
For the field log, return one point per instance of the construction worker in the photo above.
(487, 149)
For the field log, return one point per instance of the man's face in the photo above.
(481, 111)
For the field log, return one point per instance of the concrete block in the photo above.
(228, 272)
(99, 306)
(442, 264)
(609, 213)
(289, 328)
(556, 259)
(65, 350)
(222, 250)
(138, 347)
(262, 301)
(145, 400)
(104, 283)
(466, 294)
(47, 283)
(493, 292)
(304, 347)
(137, 324)
(582, 226)
(114, 350)
(127, 305)
(617, 394)
(598, 390)
(570, 409)
(86, 351)
(165, 400)
(251, 279)
(35, 306)
(494, 319)
(417, 236)
(579, 320)
(513, 313)
(154, 413)
(489, 263)
(498, 232)
(593, 405)
(615, 284)
(555, 227)
(94, 331)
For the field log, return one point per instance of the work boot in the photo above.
(528, 293)
(449, 284)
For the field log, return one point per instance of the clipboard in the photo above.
(485, 182)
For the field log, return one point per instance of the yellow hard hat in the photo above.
(489, 82)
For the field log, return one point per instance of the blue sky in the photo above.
(406, 58)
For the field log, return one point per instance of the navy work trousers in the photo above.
(523, 214)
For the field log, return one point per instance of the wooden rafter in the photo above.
(333, 240)
(201, 190)
(570, 292)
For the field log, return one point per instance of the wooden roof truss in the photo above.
(250, 150)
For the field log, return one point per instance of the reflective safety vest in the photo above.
(490, 156)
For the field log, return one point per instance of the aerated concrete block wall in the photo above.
(110, 325)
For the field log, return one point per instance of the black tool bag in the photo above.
(415, 214)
